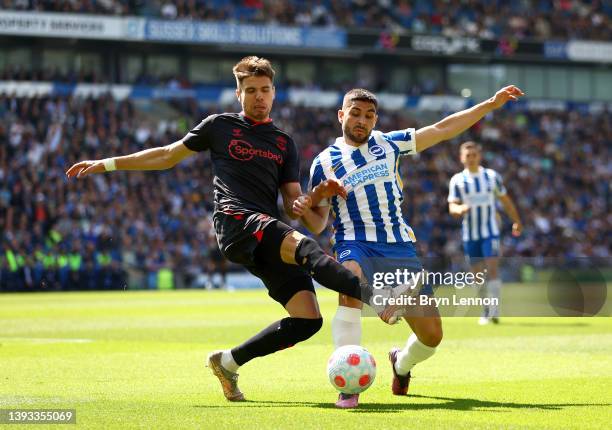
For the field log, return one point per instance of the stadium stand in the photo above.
(538, 19)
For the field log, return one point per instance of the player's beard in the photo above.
(358, 140)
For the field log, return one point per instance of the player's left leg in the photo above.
(427, 335)
(303, 322)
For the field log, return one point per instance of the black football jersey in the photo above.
(250, 161)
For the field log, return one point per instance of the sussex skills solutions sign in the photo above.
(220, 33)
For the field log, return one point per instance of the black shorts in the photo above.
(254, 239)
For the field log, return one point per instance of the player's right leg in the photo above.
(306, 253)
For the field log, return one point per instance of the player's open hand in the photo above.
(330, 188)
(84, 168)
(517, 229)
(510, 92)
(301, 205)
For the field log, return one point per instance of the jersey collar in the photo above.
(254, 121)
(340, 142)
(467, 171)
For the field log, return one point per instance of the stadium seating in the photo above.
(128, 229)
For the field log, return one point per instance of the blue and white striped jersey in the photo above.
(479, 191)
(370, 174)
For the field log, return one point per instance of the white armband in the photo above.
(109, 164)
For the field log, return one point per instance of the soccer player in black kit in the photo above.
(252, 159)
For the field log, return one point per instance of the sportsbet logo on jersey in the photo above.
(244, 151)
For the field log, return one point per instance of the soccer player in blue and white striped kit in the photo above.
(472, 194)
(368, 223)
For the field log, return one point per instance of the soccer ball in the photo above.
(351, 369)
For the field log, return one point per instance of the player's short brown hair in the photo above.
(470, 144)
(361, 95)
(252, 66)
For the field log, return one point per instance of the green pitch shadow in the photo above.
(449, 403)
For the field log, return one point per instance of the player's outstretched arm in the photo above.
(161, 158)
(510, 209)
(457, 123)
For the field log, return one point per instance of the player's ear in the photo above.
(340, 116)
(238, 94)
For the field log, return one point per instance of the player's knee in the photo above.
(308, 251)
(305, 328)
(431, 336)
(289, 246)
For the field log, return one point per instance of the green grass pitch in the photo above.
(136, 360)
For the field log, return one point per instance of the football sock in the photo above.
(328, 272)
(494, 291)
(228, 362)
(278, 335)
(414, 352)
(346, 326)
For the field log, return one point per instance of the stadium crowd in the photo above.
(17, 72)
(540, 19)
(154, 229)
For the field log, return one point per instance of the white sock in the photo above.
(228, 362)
(346, 326)
(414, 352)
(494, 291)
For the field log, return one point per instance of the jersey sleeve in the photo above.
(291, 167)
(454, 195)
(316, 177)
(404, 139)
(200, 138)
(500, 189)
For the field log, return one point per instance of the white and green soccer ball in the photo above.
(351, 369)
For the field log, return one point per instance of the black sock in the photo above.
(279, 335)
(328, 272)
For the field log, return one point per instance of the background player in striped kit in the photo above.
(368, 224)
(472, 194)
